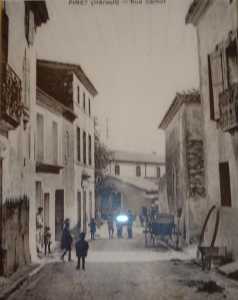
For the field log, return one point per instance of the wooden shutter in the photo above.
(5, 26)
(216, 65)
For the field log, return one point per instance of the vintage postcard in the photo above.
(118, 149)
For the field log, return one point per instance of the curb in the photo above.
(16, 285)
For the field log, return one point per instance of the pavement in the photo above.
(125, 269)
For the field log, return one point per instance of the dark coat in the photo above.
(82, 248)
(67, 239)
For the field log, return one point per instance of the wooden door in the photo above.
(59, 213)
(225, 186)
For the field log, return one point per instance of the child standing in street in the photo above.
(81, 250)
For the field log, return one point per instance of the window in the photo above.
(90, 150)
(84, 102)
(55, 142)
(40, 138)
(84, 148)
(26, 80)
(232, 63)
(138, 171)
(216, 82)
(117, 170)
(89, 106)
(78, 94)
(67, 146)
(158, 172)
(78, 144)
(225, 186)
(5, 31)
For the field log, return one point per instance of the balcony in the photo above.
(228, 103)
(11, 104)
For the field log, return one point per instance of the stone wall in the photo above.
(15, 227)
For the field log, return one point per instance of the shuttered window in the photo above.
(5, 27)
(26, 79)
(215, 62)
(84, 148)
(89, 150)
(78, 144)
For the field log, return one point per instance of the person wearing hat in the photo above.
(81, 250)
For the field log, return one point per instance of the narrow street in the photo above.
(124, 269)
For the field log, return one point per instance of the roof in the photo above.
(76, 68)
(143, 184)
(51, 103)
(180, 98)
(195, 10)
(135, 157)
(40, 11)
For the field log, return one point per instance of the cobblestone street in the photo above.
(124, 269)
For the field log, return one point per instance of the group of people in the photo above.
(43, 234)
(81, 245)
(120, 225)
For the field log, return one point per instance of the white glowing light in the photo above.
(122, 218)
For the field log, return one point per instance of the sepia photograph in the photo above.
(118, 149)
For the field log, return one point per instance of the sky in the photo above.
(137, 57)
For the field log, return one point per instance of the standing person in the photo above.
(47, 240)
(141, 216)
(130, 224)
(92, 226)
(119, 230)
(66, 242)
(39, 230)
(110, 227)
(81, 250)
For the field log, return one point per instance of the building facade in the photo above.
(71, 139)
(185, 163)
(216, 24)
(20, 20)
(131, 182)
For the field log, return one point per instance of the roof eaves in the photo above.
(77, 69)
(195, 10)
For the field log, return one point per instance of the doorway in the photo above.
(84, 212)
(59, 213)
(47, 209)
(225, 186)
(79, 208)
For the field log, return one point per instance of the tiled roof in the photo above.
(135, 157)
(180, 98)
(140, 183)
(76, 68)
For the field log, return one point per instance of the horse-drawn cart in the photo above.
(161, 228)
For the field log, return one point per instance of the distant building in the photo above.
(185, 163)
(65, 144)
(20, 21)
(132, 181)
(216, 25)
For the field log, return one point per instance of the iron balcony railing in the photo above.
(228, 103)
(11, 103)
